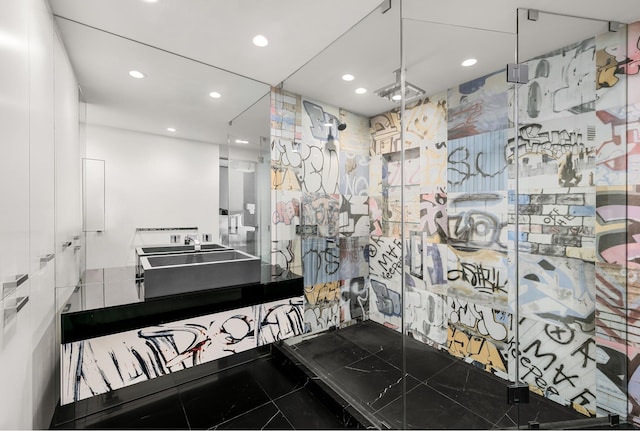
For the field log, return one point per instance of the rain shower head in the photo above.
(393, 92)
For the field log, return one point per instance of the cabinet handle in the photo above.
(21, 301)
(66, 244)
(12, 310)
(9, 286)
(46, 258)
(77, 247)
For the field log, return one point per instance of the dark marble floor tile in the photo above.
(274, 378)
(427, 409)
(330, 352)
(505, 422)
(372, 336)
(372, 382)
(214, 399)
(112, 399)
(542, 410)
(239, 359)
(472, 387)
(266, 416)
(421, 361)
(159, 411)
(305, 411)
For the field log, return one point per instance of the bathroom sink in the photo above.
(164, 249)
(172, 249)
(172, 274)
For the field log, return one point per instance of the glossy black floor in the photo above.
(259, 393)
(363, 362)
(347, 378)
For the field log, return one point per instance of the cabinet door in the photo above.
(41, 132)
(44, 351)
(14, 133)
(16, 360)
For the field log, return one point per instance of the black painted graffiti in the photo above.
(386, 132)
(321, 262)
(433, 214)
(354, 294)
(280, 321)
(283, 255)
(464, 165)
(476, 229)
(388, 301)
(546, 360)
(387, 260)
(480, 278)
(322, 210)
(316, 169)
(323, 124)
(554, 143)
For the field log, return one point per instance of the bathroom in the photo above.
(396, 214)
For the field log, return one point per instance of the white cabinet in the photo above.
(41, 133)
(29, 104)
(16, 360)
(44, 350)
(14, 129)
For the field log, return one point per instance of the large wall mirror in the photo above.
(164, 128)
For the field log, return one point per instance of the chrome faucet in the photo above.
(188, 239)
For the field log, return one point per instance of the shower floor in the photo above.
(362, 364)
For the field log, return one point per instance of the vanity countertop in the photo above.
(109, 301)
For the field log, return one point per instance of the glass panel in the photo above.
(248, 225)
(93, 195)
(335, 220)
(161, 174)
(456, 216)
(575, 185)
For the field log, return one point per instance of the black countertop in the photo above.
(110, 302)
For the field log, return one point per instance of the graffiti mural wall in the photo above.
(424, 231)
(99, 365)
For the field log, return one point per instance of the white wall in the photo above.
(151, 181)
(30, 110)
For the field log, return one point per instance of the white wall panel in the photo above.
(151, 181)
(68, 175)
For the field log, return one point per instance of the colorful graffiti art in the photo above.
(558, 363)
(103, 364)
(354, 299)
(386, 302)
(285, 215)
(477, 163)
(557, 290)
(322, 306)
(478, 106)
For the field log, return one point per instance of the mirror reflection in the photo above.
(165, 140)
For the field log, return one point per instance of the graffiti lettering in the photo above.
(486, 280)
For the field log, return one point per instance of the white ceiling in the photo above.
(188, 48)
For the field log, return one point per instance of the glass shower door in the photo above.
(571, 156)
(455, 195)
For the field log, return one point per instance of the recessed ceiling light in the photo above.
(241, 141)
(150, 1)
(469, 62)
(361, 90)
(136, 74)
(215, 95)
(171, 129)
(260, 41)
(348, 77)
(396, 97)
